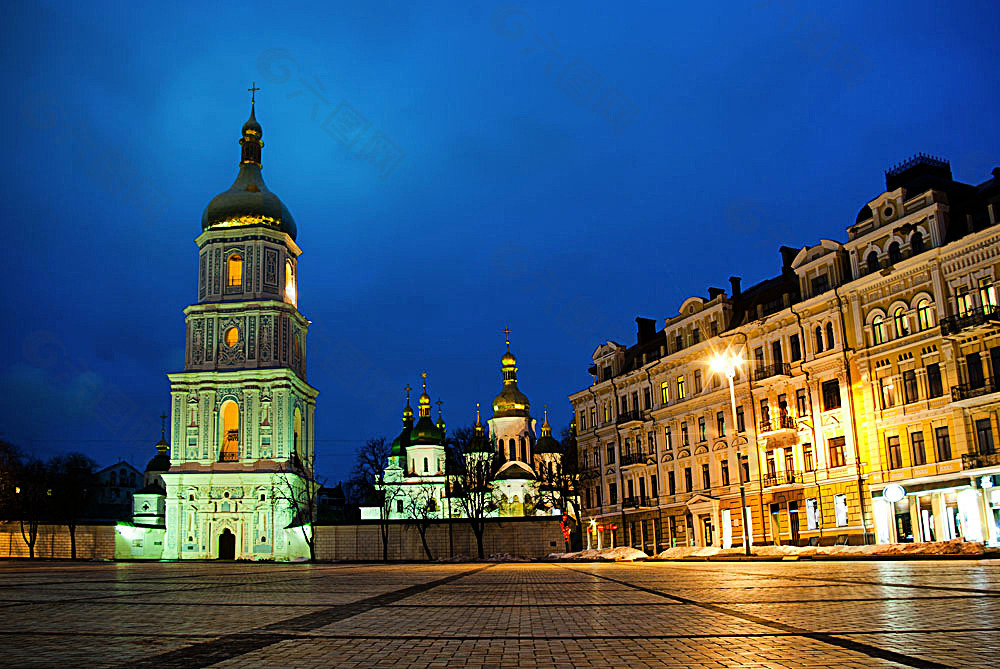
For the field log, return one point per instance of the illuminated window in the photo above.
(290, 282)
(899, 322)
(234, 270)
(987, 295)
(924, 317)
(878, 330)
(664, 393)
(680, 387)
(230, 432)
(964, 304)
(232, 337)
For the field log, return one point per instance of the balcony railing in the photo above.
(953, 325)
(229, 456)
(633, 459)
(777, 423)
(969, 390)
(977, 460)
(629, 416)
(636, 501)
(781, 478)
(762, 372)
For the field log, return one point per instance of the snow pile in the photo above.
(621, 554)
(953, 547)
(506, 557)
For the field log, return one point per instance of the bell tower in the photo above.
(241, 411)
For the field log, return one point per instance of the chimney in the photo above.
(646, 329)
(787, 257)
(734, 281)
(715, 292)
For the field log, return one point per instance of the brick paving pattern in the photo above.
(787, 614)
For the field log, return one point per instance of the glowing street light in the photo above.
(727, 364)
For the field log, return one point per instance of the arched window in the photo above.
(917, 243)
(878, 330)
(234, 270)
(524, 451)
(426, 466)
(925, 320)
(829, 335)
(819, 339)
(512, 450)
(232, 337)
(894, 255)
(899, 322)
(873, 261)
(297, 433)
(230, 433)
(290, 283)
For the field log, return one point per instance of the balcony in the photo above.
(777, 424)
(977, 461)
(762, 372)
(968, 391)
(633, 416)
(628, 459)
(953, 325)
(229, 456)
(781, 478)
(636, 502)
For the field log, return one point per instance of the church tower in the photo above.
(513, 430)
(242, 411)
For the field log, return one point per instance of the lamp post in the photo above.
(727, 364)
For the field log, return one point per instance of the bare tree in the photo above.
(421, 507)
(475, 463)
(370, 483)
(32, 495)
(10, 469)
(74, 489)
(559, 483)
(297, 486)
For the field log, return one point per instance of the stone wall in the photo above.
(523, 537)
(92, 541)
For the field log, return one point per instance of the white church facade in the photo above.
(241, 419)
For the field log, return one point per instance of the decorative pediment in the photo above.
(683, 453)
(720, 445)
(610, 472)
(830, 419)
(698, 450)
(667, 457)
(699, 499)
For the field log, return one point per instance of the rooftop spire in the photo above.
(425, 399)
(440, 423)
(506, 332)
(546, 428)
(407, 411)
(250, 141)
(479, 423)
(162, 445)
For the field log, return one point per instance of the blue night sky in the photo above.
(560, 171)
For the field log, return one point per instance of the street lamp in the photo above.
(727, 363)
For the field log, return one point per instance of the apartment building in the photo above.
(866, 404)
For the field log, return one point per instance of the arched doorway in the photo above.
(227, 545)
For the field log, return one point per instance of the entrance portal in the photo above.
(227, 545)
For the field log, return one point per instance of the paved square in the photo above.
(788, 614)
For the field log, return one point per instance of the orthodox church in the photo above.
(417, 473)
(241, 420)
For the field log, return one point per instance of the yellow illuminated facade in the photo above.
(867, 363)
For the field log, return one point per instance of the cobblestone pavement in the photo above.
(775, 614)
